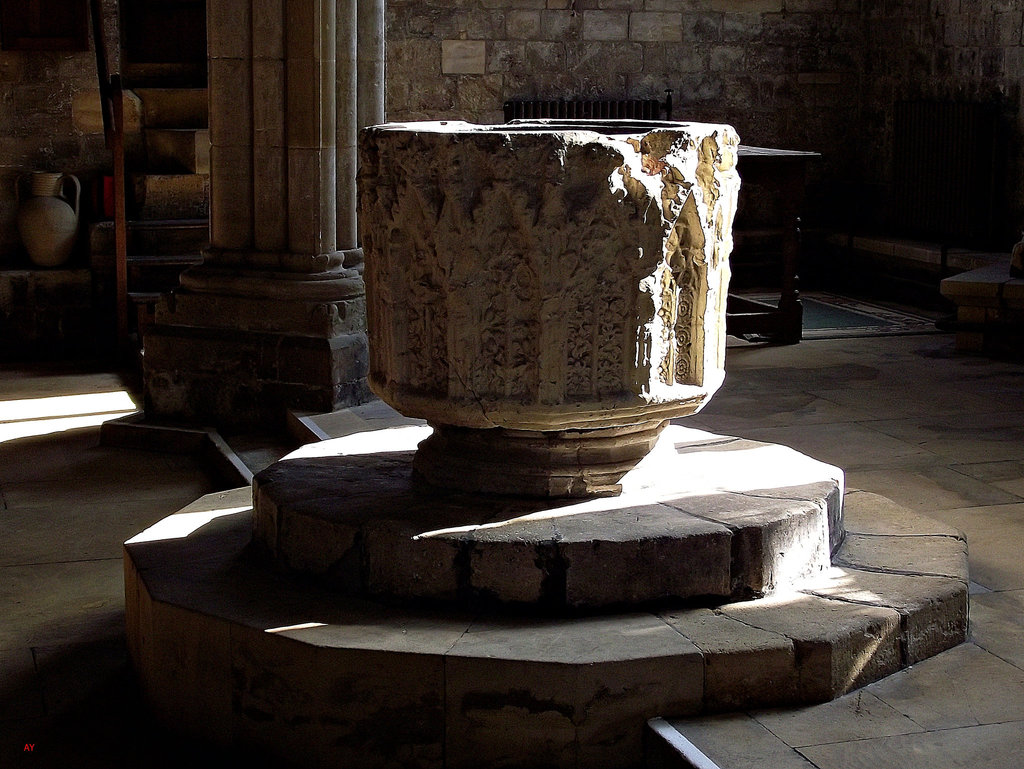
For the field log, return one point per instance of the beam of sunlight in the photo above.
(388, 439)
(28, 417)
(300, 626)
(181, 525)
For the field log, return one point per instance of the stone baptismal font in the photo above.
(552, 559)
(546, 296)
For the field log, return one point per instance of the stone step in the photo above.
(178, 150)
(155, 236)
(744, 526)
(174, 107)
(171, 196)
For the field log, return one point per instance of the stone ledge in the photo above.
(246, 657)
(990, 307)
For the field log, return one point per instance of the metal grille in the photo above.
(603, 109)
(946, 171)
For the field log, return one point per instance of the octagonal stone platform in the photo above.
(702, 517)
(246, 656)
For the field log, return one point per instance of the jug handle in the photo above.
(18, 181)
(78, 188)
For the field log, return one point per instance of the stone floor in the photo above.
(906, 417)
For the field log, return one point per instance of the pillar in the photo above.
(274, 317)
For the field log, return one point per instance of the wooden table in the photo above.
(784, 173)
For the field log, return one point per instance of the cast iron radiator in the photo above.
(603, 109)
(946, 171)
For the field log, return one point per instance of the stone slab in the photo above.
(702, 516)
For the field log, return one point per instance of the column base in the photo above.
(556, 463)
(242, 379)
(251, 335)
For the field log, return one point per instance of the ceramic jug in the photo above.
(48, 218)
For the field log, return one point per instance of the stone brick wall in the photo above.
(49, 121)
(818, 75)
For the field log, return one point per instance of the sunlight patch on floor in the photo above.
(28, 417)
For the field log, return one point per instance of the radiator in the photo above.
(589, 109)
(946, 171)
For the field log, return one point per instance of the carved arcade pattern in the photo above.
(488, 287)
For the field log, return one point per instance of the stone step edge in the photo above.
(665, 747)
(135, 431)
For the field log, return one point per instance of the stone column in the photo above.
(274, 317)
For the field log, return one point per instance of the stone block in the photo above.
(933, 610)
(744, 666)
(509, 570)
(605, 25)
(322, 545)
(523, 24)
(882, 246)
(926, 253)
(520, 703)
(463, 57)
(268, 107)
(231, 88)
(270, 204)
(683, 556)
(747, 6)
(290, 695)
(172, 196)
(560, 24)
(224, 21)
(176, 151)
(268, 35)
(311, 215)
(726, 58)
(972, 314)
(702, 27)
(839, 646)
(235, 378)
(819, 78)
(175, 107)
(872, 514)
(811, 6)
(187, 653)
(944, 556)
(612, 694)
(655, 26)
(87, 111)
(398, 565)
(309, 109)
(477, 94)
(545, 57)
